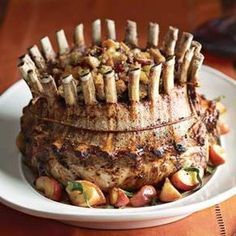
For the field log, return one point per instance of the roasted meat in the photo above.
(113, 113)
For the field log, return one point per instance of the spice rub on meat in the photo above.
(113, 113)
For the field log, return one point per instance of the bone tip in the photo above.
(196, 45)
(24, 57)
(110, 21)
(155, 67)
(60, 32)
(135, 71)
(79, 27)
(45, 40)
(67, 79)
(109, 74)
(30, 72)
(85, 77)
(47, 79)
(200, 57)
(96, 23)
(153, 25)
(174, 31)
(20, 64)
(187, 36)
(131, 23)
(33, 48)
(173, 28)
(170, 60)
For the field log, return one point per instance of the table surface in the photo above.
(25, 22)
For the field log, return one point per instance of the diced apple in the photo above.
(118, 198)
(217, 154)
(91, 194)
(220, 107)
(49, 187)
(143, 196)
(169, 193)
(223, 128)
(185, 180)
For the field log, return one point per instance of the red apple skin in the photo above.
(49, 187)
(122, 200)
(180, 182)
(143, 196)
(169, 193)
(216, 154)
(95, 196)
(118, 198)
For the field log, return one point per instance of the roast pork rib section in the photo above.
(113, 113)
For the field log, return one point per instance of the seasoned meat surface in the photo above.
(114, 113)
(125, 158)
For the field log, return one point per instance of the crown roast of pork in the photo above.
(113, 113)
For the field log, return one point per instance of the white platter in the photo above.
(16, 192)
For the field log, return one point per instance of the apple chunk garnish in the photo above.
(217, 154)
(49, 187)
(144, 196)
(118, 197)
(169, 193)
(85, 194)
(185, 179)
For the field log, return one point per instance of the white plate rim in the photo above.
(147, 214)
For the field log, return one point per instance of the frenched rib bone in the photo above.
(37, 57)
(79, 36)
(153, 34)
(183, 46)
(111, 29)
(110, 87)
(96, 32)
(169, 41)
(70, 91)
(168, 75)
(114, 113)
(49, 86)
(131, 35)
(134, 77)
(154, 77)
(35, 84)
(48, 50)
(62, 42)
(135, 81)
(88, 89)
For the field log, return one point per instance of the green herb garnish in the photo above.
(219, 98)
(154, 201)
(194, 169)
(128, 194)
(77, 186)
(210, 170)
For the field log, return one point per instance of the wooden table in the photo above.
(26, 21)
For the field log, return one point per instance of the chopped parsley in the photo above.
(77, 186)
(128, 194)
(194, 169)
